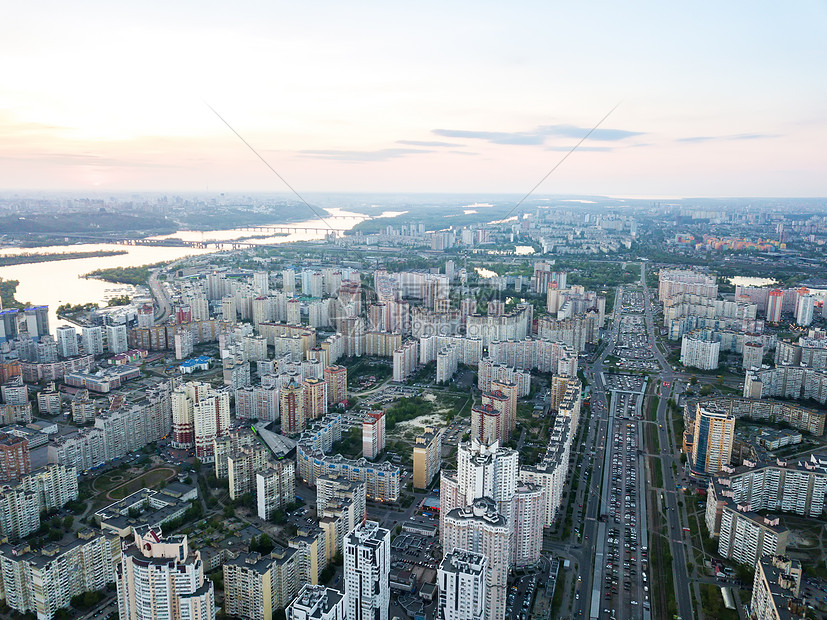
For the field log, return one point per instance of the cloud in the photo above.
(580, 148)
(426, 143)
(739, 136)
(495, 137)
(357, 156)
(538, 136)
(604, 135)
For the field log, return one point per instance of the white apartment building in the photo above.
(804, 310)
(67, 341)
(792, 487)
(260, 401)
(673, 282)
(753, 355)
(699, 350)
(92, 339)
(481, 529)
(490, 371)
(161, 578)
(317, 603)
(367, 552)
(275, 487)
(528, 518)
(482, 471)
(116, 339)
(462, 586)
(746, 536)
(544, 355)
(44, 581)
(787, 382)
(19, 513)
(330, 490)
(776, 588)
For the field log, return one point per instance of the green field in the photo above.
(150, 479)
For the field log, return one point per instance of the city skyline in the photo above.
(714, 101)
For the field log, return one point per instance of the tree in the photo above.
(68, 520)
(196, 465)
(229, 511)
(263, 544)
(693, 380)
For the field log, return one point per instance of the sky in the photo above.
(706, 98)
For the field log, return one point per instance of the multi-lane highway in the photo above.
(613, 558)
(619, 574)
(594, 450)
(669, 457)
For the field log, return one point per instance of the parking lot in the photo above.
(624, 583)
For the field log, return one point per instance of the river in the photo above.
(59, 282)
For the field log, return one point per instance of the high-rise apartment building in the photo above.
(92, 339)
(67, 341)
(367, 552)
(373, 434)
(255, 586)
(336, 377)
(261, 282)
(528, 514)
(461, 583)
(14, 457)
(753, 355)
(714, 433)
(200, 414)
(775, 302)
(315, 602)
(804, 310)
(405, 359)
(746, 536)
(427, 457)
(275, 487)
(116, 341)
(481, 529)
(42, 582)
(776, 589)
(485, 423)
(315, 398)
(162, 578)
(292, 408)
(700, 349)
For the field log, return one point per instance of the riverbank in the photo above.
(29, 258)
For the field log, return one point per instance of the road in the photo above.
(677, 540)
(159, 293)
(618, 586)
(585, 555)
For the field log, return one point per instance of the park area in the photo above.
(118, 484)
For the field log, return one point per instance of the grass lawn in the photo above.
(150, 479)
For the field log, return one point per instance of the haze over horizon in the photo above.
(717, 100)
